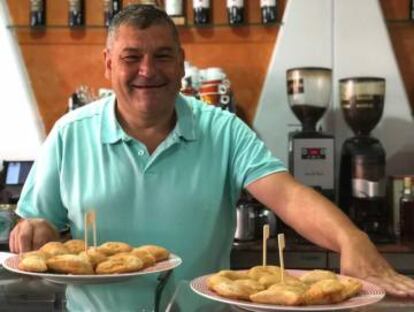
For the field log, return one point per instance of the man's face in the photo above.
(145, 67)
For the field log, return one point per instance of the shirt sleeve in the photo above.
(252, 160)
(41, 196)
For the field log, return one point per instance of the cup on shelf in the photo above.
(215, 87)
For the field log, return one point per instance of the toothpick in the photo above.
(85, 221)
(265, 238)
(281, 244)
(91, 220)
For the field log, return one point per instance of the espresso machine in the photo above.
(311, 152)
(362, 180)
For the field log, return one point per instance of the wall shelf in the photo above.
(188, 25)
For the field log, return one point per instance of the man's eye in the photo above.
(131, 58)
(164, 56)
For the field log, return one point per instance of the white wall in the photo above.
(304, 39)
(363, 48)
(351, 37)
(21, 128)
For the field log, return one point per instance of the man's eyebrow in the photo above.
(160, 49)
(127, 49)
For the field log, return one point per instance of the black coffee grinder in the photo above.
(362, 168)
(311, 152)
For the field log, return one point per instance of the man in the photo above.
(165, 169)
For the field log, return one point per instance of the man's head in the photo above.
(144, 61)
(140, 17)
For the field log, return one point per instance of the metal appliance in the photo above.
(251, 215)
(12, 178)
(311, 152)
(362, 180)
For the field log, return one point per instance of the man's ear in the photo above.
(108, 63)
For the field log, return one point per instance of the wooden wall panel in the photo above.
(59, 60)
(401, 31)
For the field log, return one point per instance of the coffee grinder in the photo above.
(311, 152)
(362, 167)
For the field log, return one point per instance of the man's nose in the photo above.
(147, 66)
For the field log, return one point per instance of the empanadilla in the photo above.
(111, 248)
(70, 264)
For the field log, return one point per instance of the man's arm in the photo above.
(320, 221)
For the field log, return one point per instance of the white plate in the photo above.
(369, 294)
(174, 261)
(4, 256)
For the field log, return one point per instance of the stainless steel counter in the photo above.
(19, 293)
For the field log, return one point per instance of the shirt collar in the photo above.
(112, 132)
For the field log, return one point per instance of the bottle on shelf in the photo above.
(235, 12)
(201, 9)
(111, 8)
(412, 10)
(116, 6)
(76, 13)
(175, 9)
(107, 12)
(407, 211)
(269, 11)
(37, 13)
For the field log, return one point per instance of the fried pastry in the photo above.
(93, 256)
(35, 253)
(351, 287)
(70, 264)
(33, 263)
(233, 290)
(233, 274)
(159, 253)
(75, 246)
(121, 264)
(272, 279)
(54, 249)
(259, 271)
(111, 248)
(280, 294)
(253, 285)
(215, 279)
(262, 284)
(316, 276)
(145, 256)
(326, 291)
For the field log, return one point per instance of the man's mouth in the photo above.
(149, 86)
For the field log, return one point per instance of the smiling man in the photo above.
(145, 68)
(161, 168)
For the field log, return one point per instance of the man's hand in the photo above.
(361, 259)
(31, 234)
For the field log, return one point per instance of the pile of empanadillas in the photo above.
(262, 284)
(109, 258)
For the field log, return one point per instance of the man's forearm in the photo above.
(309, 213)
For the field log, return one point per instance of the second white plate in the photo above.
(370, 294)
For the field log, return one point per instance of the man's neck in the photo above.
(150, 130)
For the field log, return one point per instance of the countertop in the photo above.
(28, 294)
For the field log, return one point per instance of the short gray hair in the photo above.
(140, 16)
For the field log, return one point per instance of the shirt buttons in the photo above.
(140, 153)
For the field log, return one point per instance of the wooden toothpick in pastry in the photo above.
(281, 244)
(265, 238)
(90, 220)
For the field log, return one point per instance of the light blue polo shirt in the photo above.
(182, 197)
